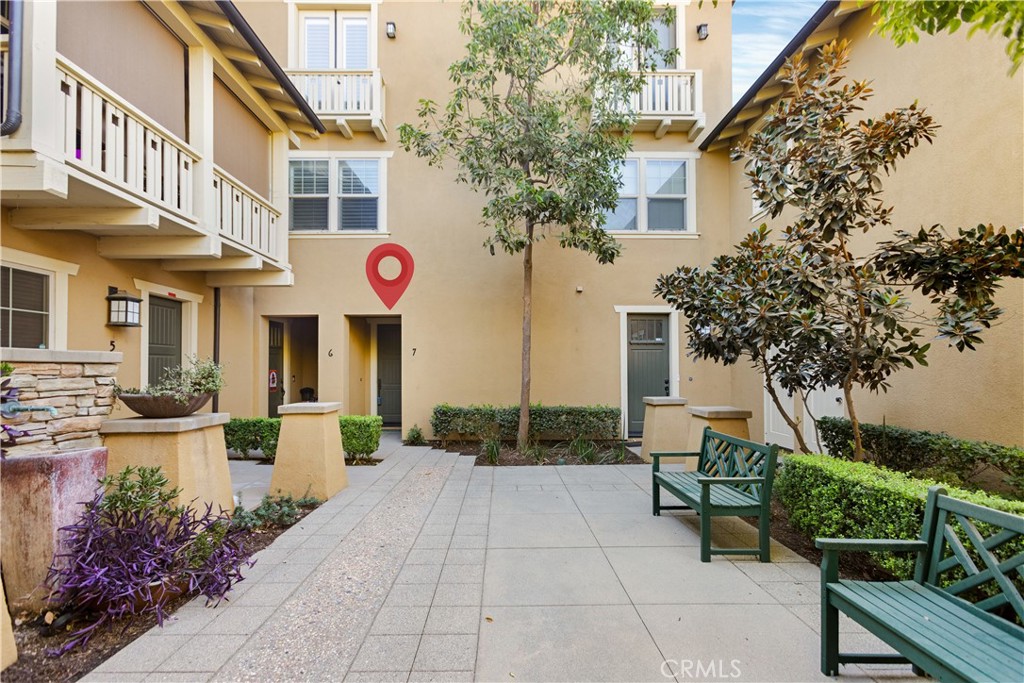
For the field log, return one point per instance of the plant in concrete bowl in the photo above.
(133, 550)
(181, 391)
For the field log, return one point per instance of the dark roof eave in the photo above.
(247, 34)
(792, 46)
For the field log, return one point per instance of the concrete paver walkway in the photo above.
(428, 568)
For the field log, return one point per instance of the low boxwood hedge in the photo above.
(939, 455)
(360, 434)
(831, 498)
(546, 422)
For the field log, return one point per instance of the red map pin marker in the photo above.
(389, 291)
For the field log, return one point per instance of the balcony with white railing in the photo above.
(244, 219)
(670, 101)
(109, 139)
(352, 100)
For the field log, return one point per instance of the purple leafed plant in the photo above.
(131, 552)
(8, 434)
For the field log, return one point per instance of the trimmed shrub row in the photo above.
(360, 434)
(938, 455)
(831, 498)
(546, 422)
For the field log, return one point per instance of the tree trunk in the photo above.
(858, 445)
(797, 432)
(523, 437)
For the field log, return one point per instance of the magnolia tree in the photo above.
(534, 122)
(810, 311)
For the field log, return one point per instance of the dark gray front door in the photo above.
(275, 368)
(164, 336)
(389, 374)
(647, 365)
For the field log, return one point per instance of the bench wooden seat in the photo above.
(927, 620)
(733, 479)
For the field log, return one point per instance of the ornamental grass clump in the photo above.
(133, 550)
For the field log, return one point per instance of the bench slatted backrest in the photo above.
(975, 553)
(723, 455)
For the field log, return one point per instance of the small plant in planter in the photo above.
(133, 550)
(181, 391)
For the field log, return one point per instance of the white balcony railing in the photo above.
(341, 93)
(669, 93)
(243, 216)
(109, 138)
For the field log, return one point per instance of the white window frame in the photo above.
(690, 159)
(189, 321)
(334, 208)
(58, 272)
(337, 10)
(332, 40)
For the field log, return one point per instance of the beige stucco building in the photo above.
(281, 172)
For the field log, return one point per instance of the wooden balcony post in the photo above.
(200, 133)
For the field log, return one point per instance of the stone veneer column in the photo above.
(190, 450)
(666, 428)
(724, 419)
(79, 385)
(310, 460)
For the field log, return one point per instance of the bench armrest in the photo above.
(706, 481)
(869, 544)
(657, 455)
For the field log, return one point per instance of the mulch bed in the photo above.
(33, 636)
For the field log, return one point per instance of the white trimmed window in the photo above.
(656, 195)
(337, 194)
(34, 300)
(25, 308)
(332, 40)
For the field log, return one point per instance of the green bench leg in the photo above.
(764, 536)
(705, 537)
(829, 616)
(656, 497)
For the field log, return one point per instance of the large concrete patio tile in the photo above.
(640, 529)
(386, 653)
(550, 576)
(400, 621)
(589, 475)
(741, 642)
(446, 653)
(540, 531)
(607, 502)
(581, 643)
(203, 653)
(660, 576)
(526, 502)
(526, 475)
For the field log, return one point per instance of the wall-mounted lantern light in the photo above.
(389, 29)
(123, 308)
(702, 31)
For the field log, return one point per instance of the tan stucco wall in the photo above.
(462, 311)
(107, 38)
(241, 144)
(87, 305)
(973, 173)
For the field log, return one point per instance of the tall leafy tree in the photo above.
(812, 311)
(902, 19)
(535, 121)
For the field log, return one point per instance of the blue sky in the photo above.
(760, 29)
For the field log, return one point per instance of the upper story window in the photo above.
(335, 40)
(24, 308)
(657, 195)
(337, 194)
(666, 41)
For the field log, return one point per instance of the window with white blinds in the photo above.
(337, 195)
(335, 40)
(655, 195)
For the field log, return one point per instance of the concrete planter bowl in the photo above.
(151, 406)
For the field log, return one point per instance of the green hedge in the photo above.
(831, 498)
(548, 422)
(938, 455)
(360, 434)
(246, 434)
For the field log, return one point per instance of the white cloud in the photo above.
(761, 28)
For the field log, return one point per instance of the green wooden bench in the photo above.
(733, 479)
(970, 561)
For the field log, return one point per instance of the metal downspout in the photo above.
(12, 117)
(216, 340)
